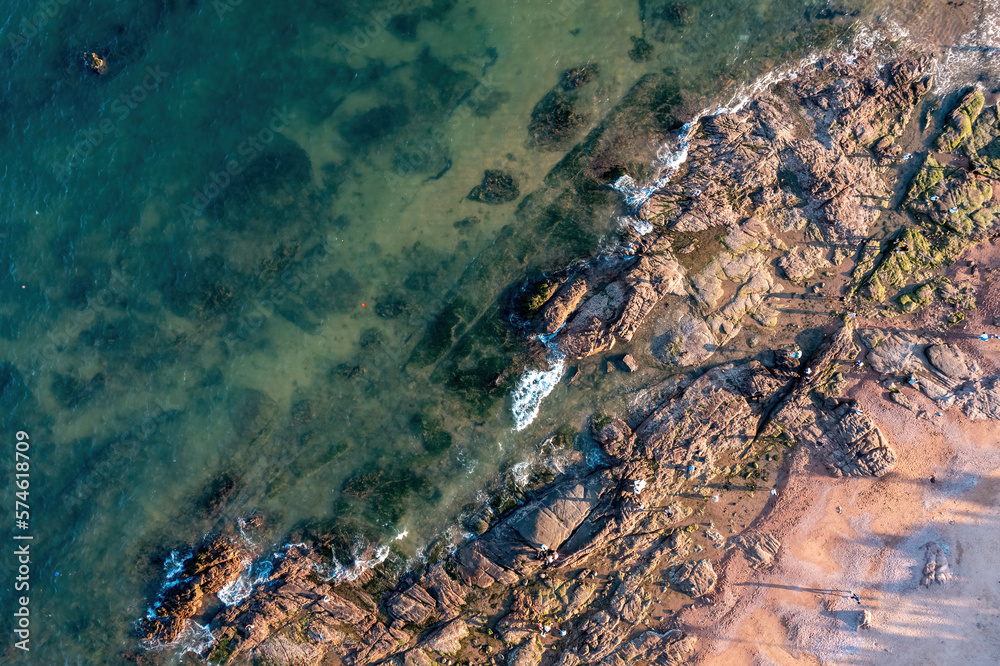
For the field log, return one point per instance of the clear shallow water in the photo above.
(185, 349)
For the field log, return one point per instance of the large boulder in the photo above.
(950, 361)
(552, 519)
(446, 639)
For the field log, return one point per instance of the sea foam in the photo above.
(533, 387)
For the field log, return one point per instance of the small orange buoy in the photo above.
(362, 305)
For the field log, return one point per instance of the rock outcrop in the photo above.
(695, 579)
(790, 159)
(214, 562)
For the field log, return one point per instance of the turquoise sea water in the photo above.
(242, 274)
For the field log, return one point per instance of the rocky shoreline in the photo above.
(832, 201)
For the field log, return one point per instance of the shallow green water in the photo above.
(186, 347)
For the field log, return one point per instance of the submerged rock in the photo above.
(555, 120)
(577, 77)
(498, 187)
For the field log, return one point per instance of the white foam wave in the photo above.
(194, 638)
(533, 387)
(520, 473)
(339, 573)
(175, 564)
(234, 592)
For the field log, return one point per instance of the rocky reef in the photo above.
(806, 176)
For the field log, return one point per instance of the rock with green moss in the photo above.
(904, 260)
(960, 120)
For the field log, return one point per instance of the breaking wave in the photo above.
(339, 573)
(236, 591)
(533, 387)
(194, 638)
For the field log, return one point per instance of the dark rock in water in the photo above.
(695, 579)
(676, 14)
(350, 371)
(14, 392)
(340, 292)
(428, 428)
(252, 414)
(386, 490)
(267, 194)
(555, 120)
(466, 222)
(304, 411)
(370, 338)
(578, 76)
(448, 84)
(374, 124)
(218, 493)
(641, 50)
(484, 101)
(390, 307)
(95, 63)
(404, 26)
(72, 392)
(498, 187)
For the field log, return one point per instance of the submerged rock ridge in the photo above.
(741, 384)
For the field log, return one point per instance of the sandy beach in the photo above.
(870, 537)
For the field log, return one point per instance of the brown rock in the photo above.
(695, 579)
(412, 605)
(629, 361)
(214, 562)
(936, 567)
(950, 361)
(760, 548)
(447, 592)
(615, 438)
(551, 520)
(446, 639)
